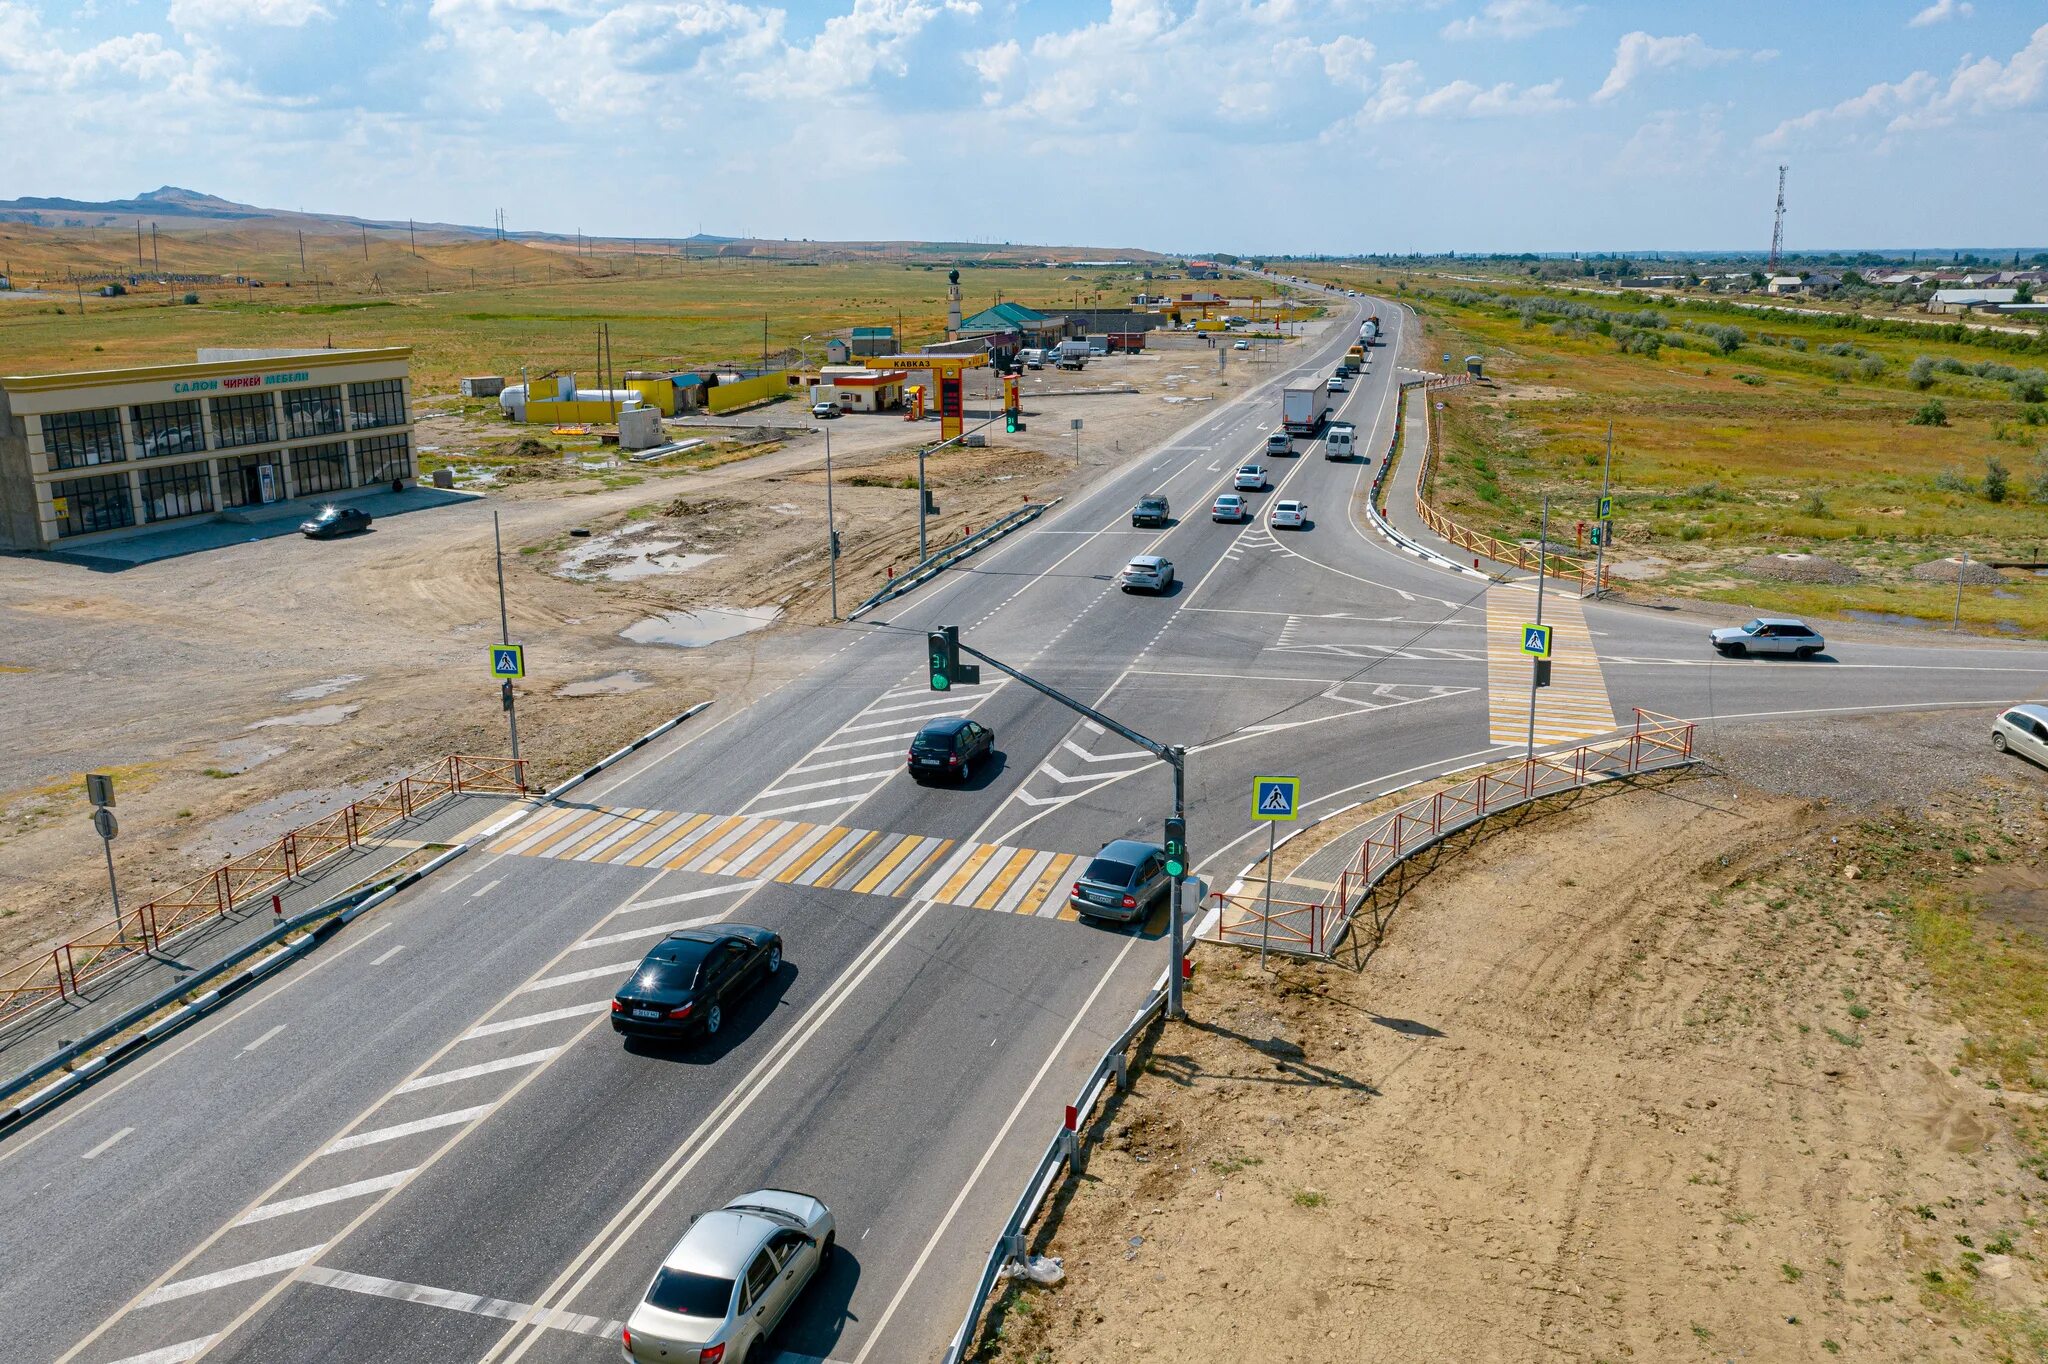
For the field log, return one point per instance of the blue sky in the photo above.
(1249, 125)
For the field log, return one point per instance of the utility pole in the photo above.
(1600, 556)
(923, 500)
(1542, 570)
(302, 252)
(156, 260)
(1961, 568)
(832, 528)
(412, 237)
(366, 243)
(504, 633)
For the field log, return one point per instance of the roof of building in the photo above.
(92, 378)
(877, 333)
(1003, 316)
(1975, 295)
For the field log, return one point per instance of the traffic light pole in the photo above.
(1173, 755)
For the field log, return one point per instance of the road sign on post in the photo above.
(1606, 507)
(1536, 640)
(104, 823)
(508, 660)
(1275, 798)
(99, 788)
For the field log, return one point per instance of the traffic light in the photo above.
(1542, 672)
(1596, 534)
(1010, 421)
(1176, 848)
(943, 647)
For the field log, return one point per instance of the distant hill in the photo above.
(172, 205)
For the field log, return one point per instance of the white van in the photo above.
(1340, 441)
(1032, 358)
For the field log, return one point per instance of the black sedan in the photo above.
(692, 977)
(333, 521)
(948, 748)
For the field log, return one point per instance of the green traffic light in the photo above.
(939, 682)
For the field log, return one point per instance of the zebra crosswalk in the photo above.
(990, 876)
(1575, 705)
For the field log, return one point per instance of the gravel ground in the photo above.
(1944, 571)
(1801, 568)
(1905, 759)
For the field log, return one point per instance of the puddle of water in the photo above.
(315, 718)
(1894, 618)
(2001, 592)
(239, 755)
(705, 625)
(611, 684)
(622, 557)
(327, 688)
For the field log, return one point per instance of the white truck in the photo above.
(1341, 441)
(1069, 354)
(1304, 408)
(1369, 331)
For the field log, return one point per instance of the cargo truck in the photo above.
(1303, 408)
(1369, 331)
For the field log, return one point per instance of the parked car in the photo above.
(947, 747)
(1146, 573)
(333, 521)
(1290, 515)
(1279, 443)
(723, 1289)
(686, 981)
(1249, 478)
(2023, 730)
(1768, 635)
(1124, 882)
(824, 411)
(1229, 507)
(1152, 511)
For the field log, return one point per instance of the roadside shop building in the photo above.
(103, 454)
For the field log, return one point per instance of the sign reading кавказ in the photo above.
(240, 381)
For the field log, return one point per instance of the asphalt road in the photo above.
(427, 1143)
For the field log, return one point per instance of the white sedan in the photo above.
(1249, 478)
(1290, 515)
(720, 1293)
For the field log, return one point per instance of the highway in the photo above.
(426, 1142)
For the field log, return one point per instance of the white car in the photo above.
(1290, 515)
(1229, 507)
(1767, 635)
(1147, 573)
(1249, 478)
(720, 1293)
(1240, 344)
(2023, 730)
(1338, 383)
(825, 411)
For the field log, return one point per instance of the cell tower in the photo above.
(1778, 224)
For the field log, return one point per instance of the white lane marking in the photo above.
(458, 1302)
(221, 1278)
(1016, 1112)
(460, 879)
(879, 774)
(376, 1136)
(647, 932)
(528, 1021)
(815, 804)
(486, 888)
(449, 1077)
(268, 1035)
(869, 761)
(895, 738)
(108, 1144)
(577, 977)
(172, 1354)
(688, 896)
(380, 960)
(263, 1212)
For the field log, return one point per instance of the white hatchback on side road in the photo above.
(2023, 730)
(1768, 635)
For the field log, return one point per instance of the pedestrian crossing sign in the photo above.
(1606, 507)
(1536, 640)
(1275, 798)
(508, 660)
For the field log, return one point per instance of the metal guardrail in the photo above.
(1063, 1153)
(1315, 928)
(62, 971)
(934, 564)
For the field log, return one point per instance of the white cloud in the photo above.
(1404, 94)
(1347, 60)
(1673, 142)
(1941, 10)
(1885, 97)
(1513, 19)
(188, 15)
(1639, 53)
(1980, 87)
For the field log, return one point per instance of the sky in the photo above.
(1254, 126)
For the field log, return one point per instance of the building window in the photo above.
(313, 412)
(76, 439)
(320, 469)
(85, 505)
(168, 428)
(383, 458)
(174, 490)
(242, 479)
(244, 419)
(376, 404)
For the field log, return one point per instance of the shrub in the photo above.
(1726, 339)
(1815, 505)
(2037, 486)
(1948, 364)
(1995, 479)
(1920, 374)
(1933, 412)
(2034, 414)
(1870, 366)
(1691, 530)
(1951, 480)
(2030, 387)
(191, 298)
(1634, 341)
(1753, 380)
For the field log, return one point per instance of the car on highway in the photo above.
(1279, 443)
(825, 411)
(1249, 478)
(1124, 882)
(1767, 635)
(689, 979)
(723, 1289)
(1146, 573)
(1240, 344)
(333, 521)
(1290, 515)
(947, 747)
(1339, 383)
(2023, 730)
(1229, 507)
(1152, 511)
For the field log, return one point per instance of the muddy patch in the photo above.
(705, 625)
(611, 684)
(316, 718)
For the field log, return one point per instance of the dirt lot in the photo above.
(238, 693)
(1715, 1070)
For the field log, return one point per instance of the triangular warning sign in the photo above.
(1275, 801)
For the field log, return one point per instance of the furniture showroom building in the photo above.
(108, 453)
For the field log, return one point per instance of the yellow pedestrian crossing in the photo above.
(987, 876)
(1575, 705)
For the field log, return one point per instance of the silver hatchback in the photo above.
(2023, 730)
(719, 1294)
(1768, 635)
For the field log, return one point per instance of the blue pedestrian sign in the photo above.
(1275, 798)
(508, 661)
(1536, 640)
(1606, 507)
